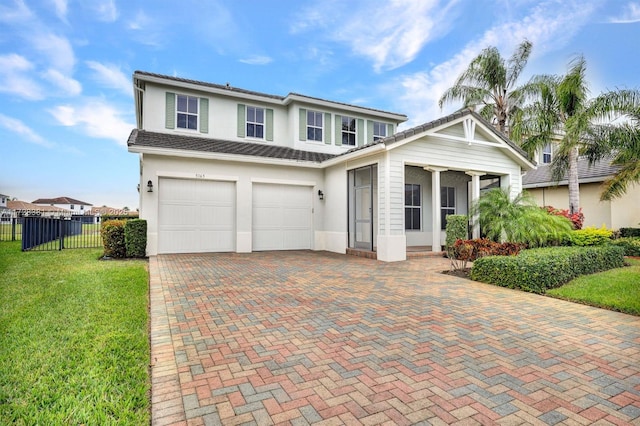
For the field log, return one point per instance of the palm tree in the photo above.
(620, 143)
(519, 220)
(489, 83)
(558, 114)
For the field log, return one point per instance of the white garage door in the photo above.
(196, 216)
(281, 217)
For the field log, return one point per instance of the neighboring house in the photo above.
(3, 201)
(618, 213)
(230, 170)
(76, 207)
(22, 208)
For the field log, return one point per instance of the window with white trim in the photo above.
(412, 207)
(314, 126)
(348, 131)
(379, 130)
(447, 204)
(546, 154)
(71, 207)
(187, 112)
(255, 122)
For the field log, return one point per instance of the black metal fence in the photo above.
(57, 233)
(10, 226)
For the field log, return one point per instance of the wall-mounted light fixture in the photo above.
(138, 187)
(149, 186)
(320, 194)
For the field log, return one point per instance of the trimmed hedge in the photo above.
(112, 232)
(457, 229)
(135, 237)
(630, 245)
(537, 270)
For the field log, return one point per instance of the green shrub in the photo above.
(630, 245)
(457, 229)
(629, 232)
(135, 237)
(112, 232)
(537, 270)
(590, 236)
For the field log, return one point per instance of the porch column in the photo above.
(475, 195)
(435, 207)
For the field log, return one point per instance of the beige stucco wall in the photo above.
(622, 212)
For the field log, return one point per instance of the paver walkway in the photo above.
(321, 338)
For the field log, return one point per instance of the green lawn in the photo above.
(74, 342)
(616, 289)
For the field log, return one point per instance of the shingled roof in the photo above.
(143, 138)
(60, 200)
(543, 177)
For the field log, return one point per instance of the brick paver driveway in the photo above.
(305, 338)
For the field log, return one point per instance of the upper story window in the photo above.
(348, 131)
(546, 154)
(187, 112)
(412, 207)
(71, 206)
(255, 122)
(81, 207)
(379, 130)
(314, 125)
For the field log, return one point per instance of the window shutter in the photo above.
(241, 120)
(302, 128)
(338, 130)
(369, 131)
(269, 124)
(204, 115)
(327, 128)
(360, 131)
(170, 111)
(389, 129)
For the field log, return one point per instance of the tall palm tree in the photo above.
(490, 84)
(561, 112)
(557, 113)
(619, 143)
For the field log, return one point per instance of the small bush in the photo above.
(577, 219)
(629, 232)
(457, 228)
(475, 249)
(537, 270)
(135, 237)
(590, 236)
(112, 232)
(630, 245)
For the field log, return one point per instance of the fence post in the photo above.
(14, 221)
(61, 232)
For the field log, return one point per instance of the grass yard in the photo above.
(74, 346)
(617, 289)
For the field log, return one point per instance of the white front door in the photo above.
(196, 216)
(282, 217)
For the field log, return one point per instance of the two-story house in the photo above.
(76, 207)
(232, 170)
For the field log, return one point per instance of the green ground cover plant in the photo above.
(74, 344)
(617, 289)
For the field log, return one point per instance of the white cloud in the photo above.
(630, 14)
(57, 49)
(140, 22)
(107, 10)
(96, 119)
(549, 26)
(257, 60)
(18, 12)
(69, 86)
(14, 79)
(61, 8)
(110, 75)
(18, 127)
(401, 29)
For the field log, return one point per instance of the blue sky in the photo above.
(66, 105)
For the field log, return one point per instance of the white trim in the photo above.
(196, 176)
(284, 182)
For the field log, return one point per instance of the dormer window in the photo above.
(546, 154)
(187, 112)
(255, 122)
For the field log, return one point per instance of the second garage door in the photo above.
(196, 216)
(282, 217)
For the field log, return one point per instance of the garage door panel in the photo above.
(282, 217)
(196, 216)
